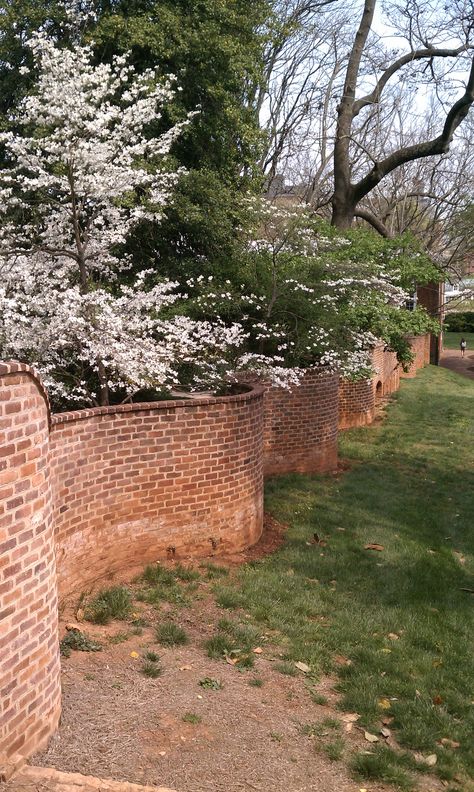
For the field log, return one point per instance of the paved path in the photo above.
(451, 359)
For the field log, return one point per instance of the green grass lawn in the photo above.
(401, 616)
(452, 340)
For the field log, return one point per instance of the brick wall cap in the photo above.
(12, 367)
(254, 392)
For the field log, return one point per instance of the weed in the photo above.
(152, 657)
(75, 639)
(379, 766)
(318, 698)
(117, 685)
(89, 677)
(334, 750)
(151, 669)
(218, 646)
(170, 634)
(256, 682)
(118, 638)
(191, 717)
(155, 575)
(286, 668)
(227, 597)
(186, 574)
(137, 631)
(214, 571)
(210, 684)
(276, 736)
(112, 603)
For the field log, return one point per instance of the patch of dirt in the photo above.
(273, 536)
(120, 724)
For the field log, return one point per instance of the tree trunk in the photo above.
(103, 386)
(343, 212)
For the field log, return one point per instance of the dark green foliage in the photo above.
(111, 603)
(462, 322)
(79, 641)
(210, 684)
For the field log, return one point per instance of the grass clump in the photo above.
(214, 571)
(186, 574)
(191, 717)
(155, 575)
(118, 638)
(171, 634)
(151, 669)
(334, 750)
(256, 682)
(233, 642)
(78, 641)
(286, 668)
(111, 603)
(381, 765)
(208, 683)
(227, 597)
(152, 657)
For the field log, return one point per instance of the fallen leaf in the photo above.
(186, 668)
(348, 727)
(385, 650)
(350, 717)
(385, 732)
(342, 661)
(387, 720)
(231, 660)
(437, 663)
(303, 667)
(162, 753)
(393, 636)
(437, 700)
(431, 760)
(384, 703)
(257, 650)
(134, 655)
(448, 743)
(372, 738)
(375, 546)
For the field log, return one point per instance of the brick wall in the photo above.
(30, 688)
(420, 346)
(356, 403)
(139, 482)
(89, 493)
(301, 425)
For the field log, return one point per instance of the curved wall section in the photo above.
(301, 425)
(356, 403)
(30, 689)
(136, 483)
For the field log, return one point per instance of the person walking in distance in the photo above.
(463, 346)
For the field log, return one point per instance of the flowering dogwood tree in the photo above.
(83, 172)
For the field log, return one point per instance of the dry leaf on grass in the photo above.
(350, 717)
(257, 650)
(342, 661)
(448, 743)
(384, 703)
(374, 546)
(437, 700)
(134, 655)
(385, 732)
(393, 636)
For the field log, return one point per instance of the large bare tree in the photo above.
(438, 55)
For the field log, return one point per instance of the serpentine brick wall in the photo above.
(89, 493)
(301, 425)
(30, 689)
(139, 482)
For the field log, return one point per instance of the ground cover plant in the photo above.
(395, 622)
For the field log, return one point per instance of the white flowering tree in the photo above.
(82, 171)
(311, 296)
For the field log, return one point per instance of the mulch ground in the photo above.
(118, 723)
